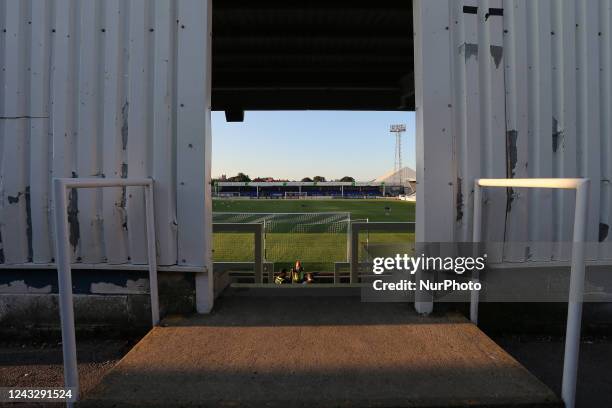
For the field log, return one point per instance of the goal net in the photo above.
(295, 195)
(228, 194)
(318, 240)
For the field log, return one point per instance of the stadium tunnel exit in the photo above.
(276, 55)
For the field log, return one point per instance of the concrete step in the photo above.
(318, 352)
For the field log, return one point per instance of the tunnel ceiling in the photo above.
(318, 54)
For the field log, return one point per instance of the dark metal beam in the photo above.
(312, 54)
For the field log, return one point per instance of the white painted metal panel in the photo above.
(478, 78)
(463, 218)
(515, 52)
(139, 137)
(89, 127)
(14, 169)
(468, 106)
(435, 209)
(64, 94)
(40, 152)
(539, 119)
(164, 148)
(554, 108)
(605, 211)
(436, 173)
(587, 42)
(194, 203)
(2, 87)
(115, 127)
(564, 120)
(492, 120)
(89, 89)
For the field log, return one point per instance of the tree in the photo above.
(240, 177)
(318, 179)
(307, 180)
(347, 179)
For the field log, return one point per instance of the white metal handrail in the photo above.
(257, 229)
(357, 227)
(64, 270)
(576, 291)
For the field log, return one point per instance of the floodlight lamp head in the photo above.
(398, 128)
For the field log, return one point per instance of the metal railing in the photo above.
(64, 270)
(357, 227)
(257, 231)
(343, 269)
(576, 291)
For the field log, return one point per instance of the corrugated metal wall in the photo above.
(109, 88)
(531, 97)
(121, 88)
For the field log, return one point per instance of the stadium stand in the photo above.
(303, 190)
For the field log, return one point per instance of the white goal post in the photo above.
(295, 195)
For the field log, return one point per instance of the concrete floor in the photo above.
(543, 356)
(318, 352)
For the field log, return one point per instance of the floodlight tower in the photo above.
(398, 130)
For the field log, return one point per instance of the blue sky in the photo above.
(298, 144)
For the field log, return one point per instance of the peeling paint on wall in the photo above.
(509, 199)
(511, 153)
(1, 250)
(497, 52)
(14, 199)
(557, 135)
(68, 83)
(124, 124)
(604, 229)
(29, 223)
(470, 50)
(15, 281)
(131, 287)
(20, 286)
(528, 253)
(122, 204)
(459, 199)
(73, 217)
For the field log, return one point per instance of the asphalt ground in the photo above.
(318, 352)
(39, 364)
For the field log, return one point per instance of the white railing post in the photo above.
(577, 272)
(64, 279)
(576, 296)
(64, 270)
(476, 237)
(152, 254)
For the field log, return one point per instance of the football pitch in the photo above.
(317, 249)
(373, 210)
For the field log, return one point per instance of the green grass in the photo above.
(374, 210)
(317, 251)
